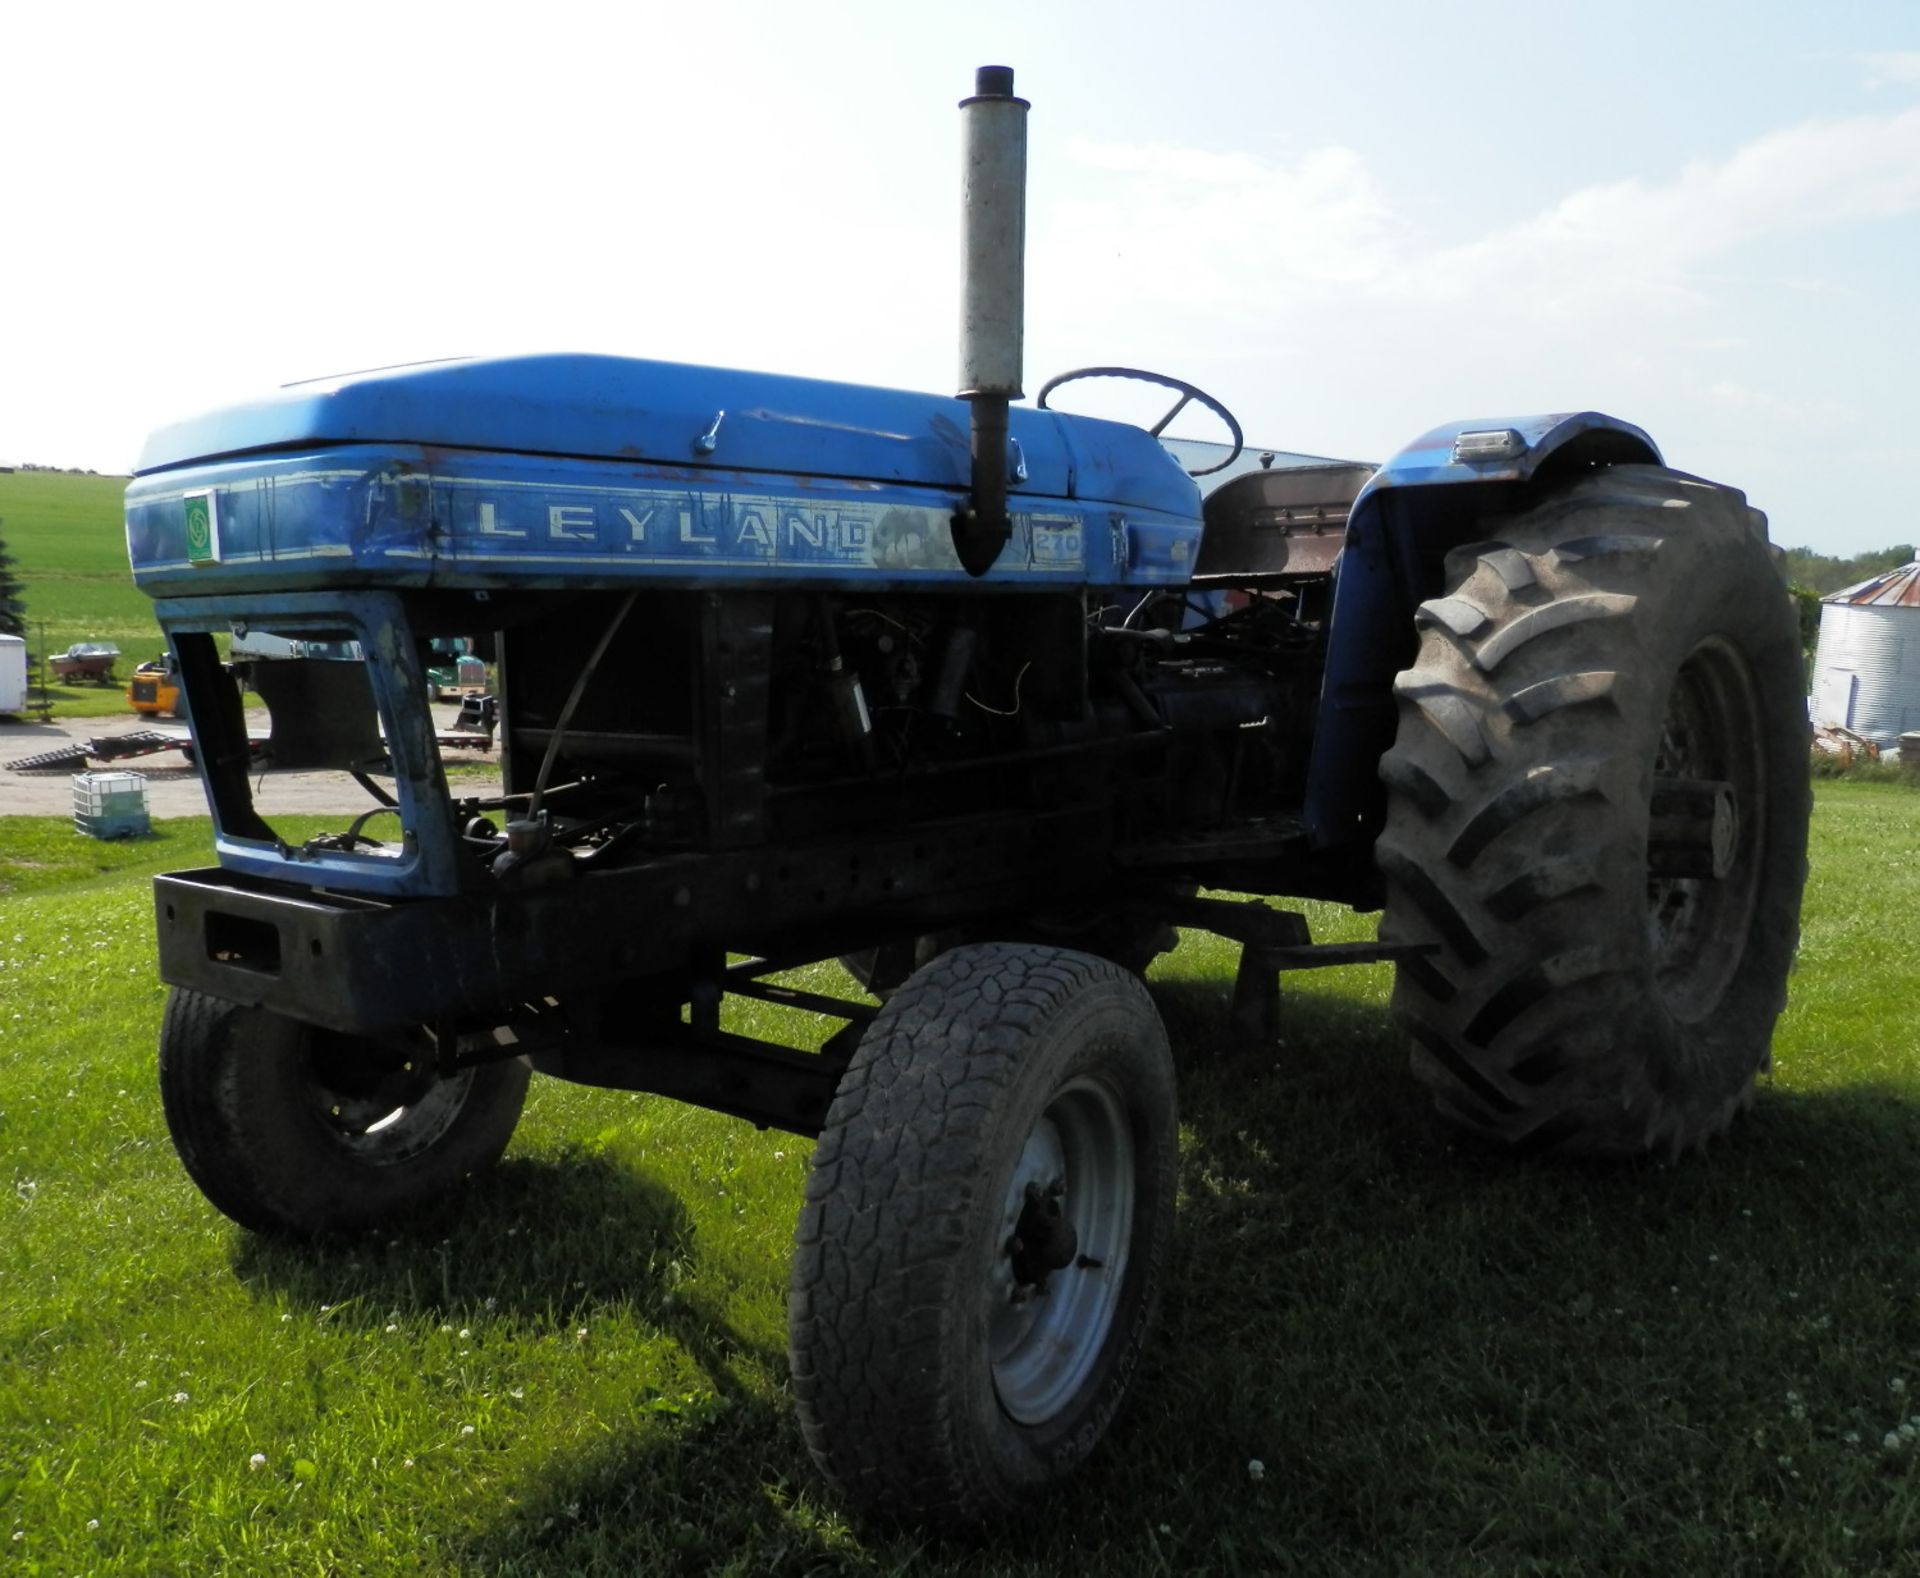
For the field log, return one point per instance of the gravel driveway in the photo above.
(173, 787)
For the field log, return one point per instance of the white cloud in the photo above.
(1649, 239)
(1205, 235)
(1818, 287)
(1738, 397)
(1892, 68)
(1212, 232)
(1315, 301)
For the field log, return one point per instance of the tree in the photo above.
(13, 603)
(1806, 604)
(1824, 574)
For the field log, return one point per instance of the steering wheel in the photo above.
(1187, 392)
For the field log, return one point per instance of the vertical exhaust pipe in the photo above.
(992, 301)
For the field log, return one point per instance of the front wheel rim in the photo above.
(1045, 1336)
(380, 1119)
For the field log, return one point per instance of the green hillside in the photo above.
(69, 545)
(68, 541)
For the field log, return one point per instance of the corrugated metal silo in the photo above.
(1866, 672)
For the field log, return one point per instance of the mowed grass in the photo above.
(1444, 1360)
(67, 535)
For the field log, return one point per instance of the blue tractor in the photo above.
(980, 699)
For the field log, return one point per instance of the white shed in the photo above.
(1866, 673)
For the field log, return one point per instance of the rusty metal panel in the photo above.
(1898, 588)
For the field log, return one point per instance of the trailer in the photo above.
(13, 674)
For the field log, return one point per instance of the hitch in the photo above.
(1272, 941)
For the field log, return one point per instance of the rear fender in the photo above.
(1431, 497)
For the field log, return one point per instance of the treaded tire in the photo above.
(252, 1118)
(1626, 632)
(909, 1362)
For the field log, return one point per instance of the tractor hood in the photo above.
(686, 418)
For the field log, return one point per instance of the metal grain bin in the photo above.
(1866, 673)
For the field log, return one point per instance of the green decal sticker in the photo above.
(200, 545)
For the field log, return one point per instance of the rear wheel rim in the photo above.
(1698, 927)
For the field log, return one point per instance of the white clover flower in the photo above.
(181, 1397)
(493, 1303)
(466, 1430)
(465, 1333)
(1891, 1441)
(407, 1463)
(93, 1523)
(392, 1326)
(1256, 1469)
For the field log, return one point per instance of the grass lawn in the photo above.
(1445, 1361)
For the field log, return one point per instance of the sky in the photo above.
(1349, 223)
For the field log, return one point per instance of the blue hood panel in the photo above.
(669, 415)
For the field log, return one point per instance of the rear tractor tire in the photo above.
(293, 1130)
(987, 1217)
(1598, 803)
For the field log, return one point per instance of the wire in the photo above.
(905, 630)
(1014, 711)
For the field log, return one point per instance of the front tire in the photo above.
(1598, 805)
(294, 1130)
(987, 1217)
